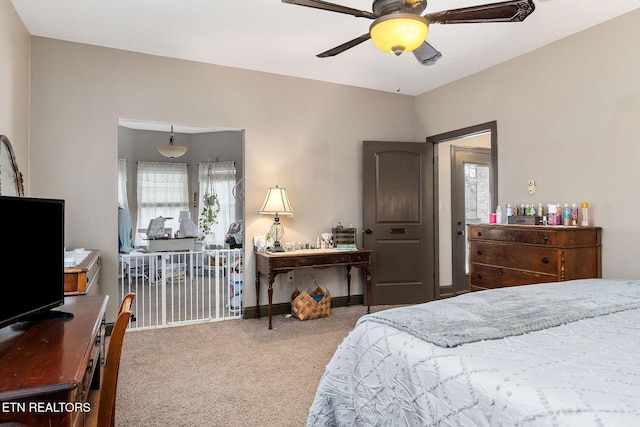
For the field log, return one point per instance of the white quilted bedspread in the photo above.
(585, 373)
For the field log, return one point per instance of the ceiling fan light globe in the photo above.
(399, 32)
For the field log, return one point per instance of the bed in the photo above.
(556, 354)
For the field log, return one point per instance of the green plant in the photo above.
(209, 214)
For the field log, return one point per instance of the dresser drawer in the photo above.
(524, 257)
(489, 277)
(514, 234)
(286, 262)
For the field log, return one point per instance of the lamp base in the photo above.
(277, 247)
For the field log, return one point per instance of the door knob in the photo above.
(460, 232)
(368, 231)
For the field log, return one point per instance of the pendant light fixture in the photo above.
(172, 150)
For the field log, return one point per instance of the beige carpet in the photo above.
(228, 373)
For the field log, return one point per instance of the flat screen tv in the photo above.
(32, 259)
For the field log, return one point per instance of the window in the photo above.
(163, 190)
(219, 178)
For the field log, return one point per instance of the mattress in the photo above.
(584, 372)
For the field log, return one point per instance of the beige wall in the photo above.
(569, 117)
(303, 135)
(14, 83)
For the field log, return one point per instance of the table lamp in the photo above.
(276, 203)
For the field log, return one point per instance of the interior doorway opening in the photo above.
(451, 278)
(194, 270)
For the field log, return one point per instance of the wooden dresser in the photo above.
(510, 255)
(83, 279)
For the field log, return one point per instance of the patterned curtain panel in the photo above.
(218, 178)
(123, 200)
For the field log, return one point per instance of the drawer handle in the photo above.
(398, 230)
(479, 276)
(479, 233)
(545, 260)
(479, 252)
(545, 237)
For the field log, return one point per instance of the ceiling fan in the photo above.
(399, 27)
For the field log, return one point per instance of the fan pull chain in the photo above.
(398, 63)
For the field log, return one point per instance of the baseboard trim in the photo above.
(446, 291)
(285, 308)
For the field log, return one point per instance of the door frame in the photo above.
(492, 127)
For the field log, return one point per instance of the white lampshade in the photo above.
(172, 150)
(276, 202)
(399, 32)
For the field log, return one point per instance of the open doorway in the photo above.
(451, 236)
(185, 270)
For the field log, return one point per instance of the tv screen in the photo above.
(33, 256)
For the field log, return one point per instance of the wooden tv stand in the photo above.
(47, 367)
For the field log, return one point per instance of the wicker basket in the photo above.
(305, 307)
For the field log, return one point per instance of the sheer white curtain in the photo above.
(123, 200)
(219, 178)
(163, 190)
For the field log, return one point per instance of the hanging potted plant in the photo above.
(211, 204)
(209, 214)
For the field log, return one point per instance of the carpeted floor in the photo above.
(228, 373)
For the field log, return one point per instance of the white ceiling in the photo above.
(271, 36)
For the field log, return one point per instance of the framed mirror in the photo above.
(11, 182)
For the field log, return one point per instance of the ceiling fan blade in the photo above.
(427, 54)
(508, 11)
(323, 5)
(348, 45)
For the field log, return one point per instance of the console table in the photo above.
(271, 264)
(52, 362)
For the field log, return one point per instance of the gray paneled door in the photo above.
(398, 220)
(471, 203)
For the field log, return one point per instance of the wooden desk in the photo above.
(84, 278)
(52, 361)
(272, 264)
